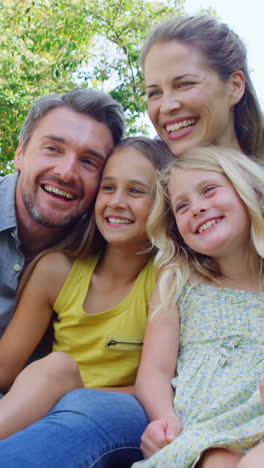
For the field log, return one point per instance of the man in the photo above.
(63, 145)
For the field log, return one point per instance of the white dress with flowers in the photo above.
(221, 362)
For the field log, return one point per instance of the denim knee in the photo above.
(86, 429)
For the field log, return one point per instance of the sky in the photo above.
(245, 17)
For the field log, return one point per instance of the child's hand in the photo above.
(261, 389)
(160, 433)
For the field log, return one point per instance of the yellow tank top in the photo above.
(108, 345)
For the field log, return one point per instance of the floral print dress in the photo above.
(220, 364)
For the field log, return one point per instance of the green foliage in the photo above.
(53, 45)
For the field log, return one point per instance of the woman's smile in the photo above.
(188, 103)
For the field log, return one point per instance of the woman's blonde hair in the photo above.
(176, 261)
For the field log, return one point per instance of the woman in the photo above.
(236, 119)
(199, 92)
(198, 86)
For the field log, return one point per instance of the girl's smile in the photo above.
(210, 216)
(208, 225)
(125, 198)
(117, 221)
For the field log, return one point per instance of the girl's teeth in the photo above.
(208, 224)
(118, 221)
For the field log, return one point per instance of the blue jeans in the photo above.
(87, 428)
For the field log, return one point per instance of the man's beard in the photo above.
(35, 214)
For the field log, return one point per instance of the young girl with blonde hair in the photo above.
(208, 319)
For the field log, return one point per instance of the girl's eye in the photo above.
(208, 189)
(107, 188)
(136, 191)
(180, 207)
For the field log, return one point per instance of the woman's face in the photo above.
(188, 104)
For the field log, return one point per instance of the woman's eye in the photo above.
(154, 92)
(185, 84)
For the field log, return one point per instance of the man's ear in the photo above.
(18, 160)
(237, 84)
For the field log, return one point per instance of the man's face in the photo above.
(60, 167)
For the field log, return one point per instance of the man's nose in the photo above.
(67, 167)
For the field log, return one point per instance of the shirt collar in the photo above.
(8, 218)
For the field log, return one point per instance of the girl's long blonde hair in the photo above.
(175, 260)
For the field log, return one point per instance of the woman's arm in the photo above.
(157, 367)
(32, 316)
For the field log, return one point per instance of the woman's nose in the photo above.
(170, 102)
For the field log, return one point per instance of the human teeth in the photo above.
(208, 224)
(49, 188)
(179, 125)
(119, 221)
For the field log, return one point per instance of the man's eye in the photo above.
(90, 162)
(51, 148)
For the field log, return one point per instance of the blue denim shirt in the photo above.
(11, 258)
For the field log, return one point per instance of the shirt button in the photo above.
(17, 267)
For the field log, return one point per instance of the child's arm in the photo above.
(128, 389)
(32, 316)
(157, 367)
(36, 390)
